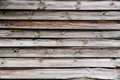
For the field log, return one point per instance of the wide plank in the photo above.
(59, 43)
(59, 15)
(58, 34)
(60, 5)
(59, 62)
(98, 73)
(61, 52)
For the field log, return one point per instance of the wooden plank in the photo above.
(99, 73)
(58, 34)
(59, 62)
(59, 15)
(57, 25)
(84, 79)
(60, 52)
(59, 43)
(60, 5)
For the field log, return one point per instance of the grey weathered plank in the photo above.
(99, 73)
(59, 62)
(59, 52)
(4, 25)
(58, 34)
(59, 43)
(59, 15)
(60, 5)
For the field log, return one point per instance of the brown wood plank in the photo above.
(67, 25)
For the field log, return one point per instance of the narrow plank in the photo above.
(84, 79)
(60, 5)
(59, 15)
(99, 73)
(59, 43)
(58, 34)
(60, 52)
(58, 25)
(58, 62)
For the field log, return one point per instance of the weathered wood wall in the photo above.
(60, 39)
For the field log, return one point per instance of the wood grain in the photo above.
(59, 15)
(60, 52)
(59, 43)
(58, 34)
(60, 5)
(99, 73)
(59, 62)
(57, 25)
(60, 39)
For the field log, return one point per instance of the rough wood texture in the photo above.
(60, 52)
(58, 34)
(59, 62)
(61, 25)
(59, 15)
(59, 43)
(99, 73)
(60, 39)
(60, 5)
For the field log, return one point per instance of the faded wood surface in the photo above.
(63, 26)
(58, 34)
(99, 73)
(59, 43)
(60, 5)
(60, 52)
(59, 15)
(60, 39)
(59, 62)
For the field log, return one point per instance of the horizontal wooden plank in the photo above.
(59, 62)
(58, 25)
(59, 15)
(60, 52)
(83, 79)
(59, 43)
(58, 34)
(82, 25)
(98, 73)
(60, 5)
